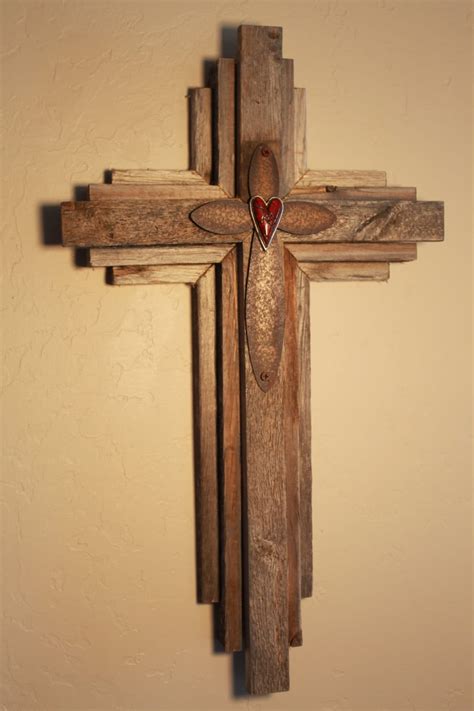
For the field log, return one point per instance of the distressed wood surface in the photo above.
(200, 132)
(205, 437)
(346, 271)
(130, 256)
(322, 193)
(156, 176)
(265, 522)
(354, 252)
(225, 129)
(373, 221)
(291, 430)
(162, 274)
(299, 100)
(230, 613)
(341, 178)
(155, 191)
(115, 223)
(138, 222)
(304, 461)
(265, 531)
(287, 156)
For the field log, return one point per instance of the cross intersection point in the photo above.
(250, 262)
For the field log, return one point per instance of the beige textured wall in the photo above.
(99, 604)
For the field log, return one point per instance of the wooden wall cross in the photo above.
(249, 227)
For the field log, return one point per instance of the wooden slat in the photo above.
(300, 132)
(109, 223)
(144, 176)
(291, 405)
(200, 129)
(115, 223)
(163, 274)
(403, 221)
(390, 193)
(353, 252)
(287, 158)
(131, 256)
(346, 271)
(205, 437)
(265, 523)
(305, 472)
(342, 178)
(155, 191)
(230, 617)
(225, 129)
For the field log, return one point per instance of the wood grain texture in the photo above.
(322, 193)
(145, 176)
(291, 405)
(346, 271)
(156, 191)
(354, 252)
(287, 156)
(200, 132)
(115, 223)
(136, 222)
(259, 55)
(341, 178)
(230, 613)
(304, 461)
(205, 437)
(265, 529)
(361, 221)
(131, 256)
(225, 130)
(162, 274)
(299, 100)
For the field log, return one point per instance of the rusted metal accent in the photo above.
(305, 218)
(264, 177)
(223, 217)
(265, 310)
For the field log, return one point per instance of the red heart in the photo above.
(266, 217)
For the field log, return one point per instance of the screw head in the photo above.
(265, 152)
(264, 376)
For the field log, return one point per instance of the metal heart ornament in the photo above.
(266, 216)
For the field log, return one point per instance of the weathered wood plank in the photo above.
(200, 131)
(346, 271)
(117, 223)
(287, 157)
(403, 221)
(341, 178)
(300, 133)
(205, 437)
(265, 521)
(134, 256)
(304, 398)
(163, 274)
(144, 176)
(155, 191)
(321, 193)
(265, 530)
(291, 429)
(230, 614)
(354, 252)
(225, 129)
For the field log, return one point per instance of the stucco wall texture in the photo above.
(99, 609)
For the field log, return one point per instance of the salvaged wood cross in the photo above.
(249, 227)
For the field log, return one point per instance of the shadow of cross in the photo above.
(251, 321)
